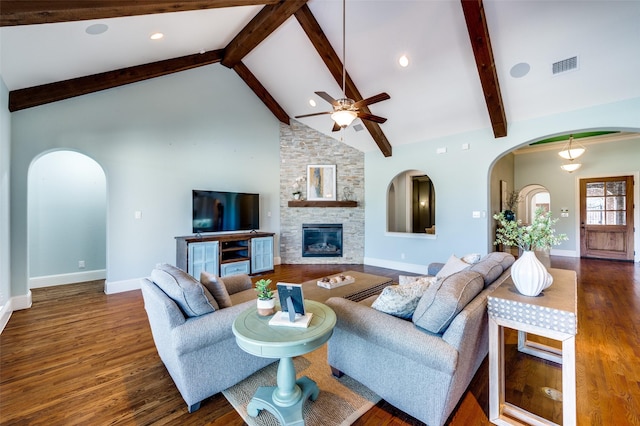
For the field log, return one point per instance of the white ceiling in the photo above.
(437, 95)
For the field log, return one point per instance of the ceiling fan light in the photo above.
(570, 166)
(344, 117)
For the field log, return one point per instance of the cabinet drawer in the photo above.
(234, 268)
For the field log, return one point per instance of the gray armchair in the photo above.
(200, 352)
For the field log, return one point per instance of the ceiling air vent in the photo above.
(565, 65)
(358, 127)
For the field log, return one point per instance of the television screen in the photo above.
(215, 211)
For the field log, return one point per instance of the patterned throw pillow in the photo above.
(471, 258)
(401, 300)
(408, 279)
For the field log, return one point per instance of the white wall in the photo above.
(5, 236)
(461, 180)
(67, 209)
(156, 141)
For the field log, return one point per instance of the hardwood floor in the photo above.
(80, 357)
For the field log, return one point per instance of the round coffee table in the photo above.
(255, 336)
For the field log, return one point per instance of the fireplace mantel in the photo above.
(307, 203)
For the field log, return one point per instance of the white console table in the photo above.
(553, 314)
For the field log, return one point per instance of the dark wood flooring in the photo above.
(80, 357)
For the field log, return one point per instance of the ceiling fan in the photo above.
(345, 110)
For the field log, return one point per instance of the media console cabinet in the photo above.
(225, 254)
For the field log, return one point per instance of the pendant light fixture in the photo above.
(571, 152)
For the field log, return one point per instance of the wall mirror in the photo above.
(411, 203)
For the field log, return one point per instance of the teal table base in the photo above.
(266, 396)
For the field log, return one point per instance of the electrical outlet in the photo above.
(401, 255)
(81, 264)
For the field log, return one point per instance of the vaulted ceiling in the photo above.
(473, 64)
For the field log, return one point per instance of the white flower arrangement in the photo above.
(538, 235)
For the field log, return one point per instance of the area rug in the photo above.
(340, 403)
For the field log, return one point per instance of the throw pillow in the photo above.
(445, 299)
(471, 258)
(191, 296)
(452, 266)
(408, 279)
(400, 300)
(216, 287)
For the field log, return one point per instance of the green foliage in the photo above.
(262, 287)
(538, 235)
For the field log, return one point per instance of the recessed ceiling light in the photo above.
(520, 70)
(96, 29)
(312, 102)
(156, 36)
(403, 61)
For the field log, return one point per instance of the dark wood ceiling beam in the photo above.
(334, 64)
(29, 12)
(253, 83)
(259, 28)
(481, 44)
(52, 92)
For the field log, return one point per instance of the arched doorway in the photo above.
(67, 205)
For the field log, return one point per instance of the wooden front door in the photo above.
(606, 218)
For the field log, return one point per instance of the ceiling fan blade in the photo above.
(336, 127)
(328, 98)
(371, 117)
(372, 100)
(311, 115)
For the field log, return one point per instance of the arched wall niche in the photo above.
(411, 203)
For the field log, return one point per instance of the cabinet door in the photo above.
(261, 254)
(203, 257)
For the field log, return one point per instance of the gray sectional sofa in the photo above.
(191, 323)
(422, 372)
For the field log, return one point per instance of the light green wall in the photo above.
(462, 183)
(5, 154)
(156, 141)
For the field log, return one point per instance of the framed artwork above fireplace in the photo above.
(321, 182)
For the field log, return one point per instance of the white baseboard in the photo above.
(112, 287)
(71, 278)
(563, 253)
(400, 266)
(5, 314)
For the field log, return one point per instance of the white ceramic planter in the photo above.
(266, 307)
(529, 274)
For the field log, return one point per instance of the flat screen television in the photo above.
(216, 211)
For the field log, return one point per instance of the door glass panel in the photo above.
(595, 189)
(606, 208)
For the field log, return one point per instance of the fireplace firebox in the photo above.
(322, 240)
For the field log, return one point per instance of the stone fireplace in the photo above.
(321, 240)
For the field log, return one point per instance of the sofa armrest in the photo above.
(394, 334)
(434, 268)
(206, 330)
(237, 283)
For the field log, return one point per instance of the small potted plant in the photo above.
(513, 198)
(296, 195)
(266, 301)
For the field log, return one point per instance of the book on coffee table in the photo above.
(282, 319)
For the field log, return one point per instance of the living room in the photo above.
(159, 139)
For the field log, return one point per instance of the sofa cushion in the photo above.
(191, 296)
(489, 269)
(504, 259)
(216, 287)
(401, 300)
(444, 299)
(452, 266)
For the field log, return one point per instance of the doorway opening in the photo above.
(66, 216)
